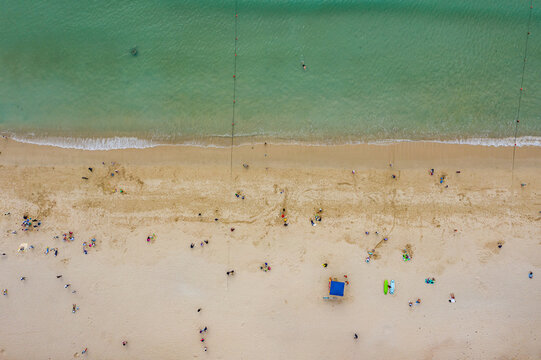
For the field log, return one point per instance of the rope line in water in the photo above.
(517, 120)
(234, 86)
(233, 126)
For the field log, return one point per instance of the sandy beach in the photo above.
(148, 292)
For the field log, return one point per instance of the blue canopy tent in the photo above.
(336, 288)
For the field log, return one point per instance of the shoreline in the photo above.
(349, 156)
(133, 142)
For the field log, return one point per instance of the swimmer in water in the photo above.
(303, 66)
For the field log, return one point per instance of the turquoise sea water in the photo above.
(376, 69)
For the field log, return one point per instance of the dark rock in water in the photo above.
(133, 51)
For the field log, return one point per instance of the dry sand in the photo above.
(149, 293)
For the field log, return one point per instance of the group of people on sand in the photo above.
(203, 243)
(151, 238)
(239, 195)
(85, 350)
(316, 218)
(203, 332)
(283, 215)
(48, 250)
(69, 236)
(265, 267)
(86, 245)
(418, 301)
(29, 223)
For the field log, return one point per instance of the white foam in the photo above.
(112, 143)
(118, 142)
(503, 142)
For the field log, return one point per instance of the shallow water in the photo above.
(375, 69)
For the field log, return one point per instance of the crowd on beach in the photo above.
(33, 224)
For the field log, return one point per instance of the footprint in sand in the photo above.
(481, 285)
(490, 249)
